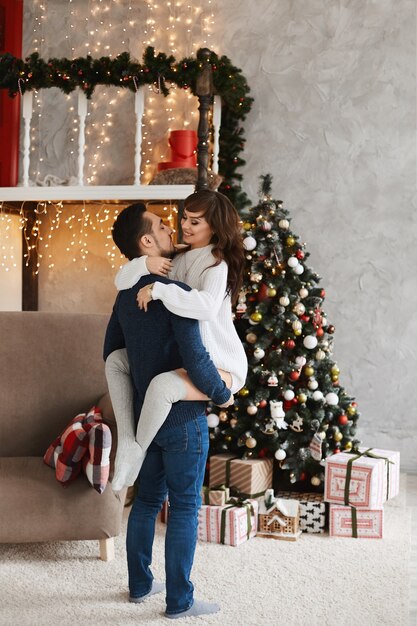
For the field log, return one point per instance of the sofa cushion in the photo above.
(96, 463)
(34, 507)
(66, 452)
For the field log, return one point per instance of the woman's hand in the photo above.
(158, 265)
(144, 296)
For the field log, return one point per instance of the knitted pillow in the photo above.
(66, 452)
(96, 463)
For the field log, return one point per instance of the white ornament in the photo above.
(258, 353)
(299, 308)
(272, 381)
(300, 361)
(297, 425)
(276, 409)
(296, 325)
(251, 338)
(280, 454)
(266, 226)
(332, 399)
(303, 292)
(310, 342)
(289, 394)
(284, 224)
(212, 420)
(320, 355)
(284, 301)
(315, 480)
(312, 384)
(292, 261)
(317, 395)
(298, 269)
(256, 277)
(249, 243)
(252, 409)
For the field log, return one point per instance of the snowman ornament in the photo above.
(277, 414)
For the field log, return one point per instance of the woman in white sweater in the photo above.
(212, 265)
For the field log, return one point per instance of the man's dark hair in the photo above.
(130, 225)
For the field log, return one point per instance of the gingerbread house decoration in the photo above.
(279, 519)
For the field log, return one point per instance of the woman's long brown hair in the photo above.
(223, 219)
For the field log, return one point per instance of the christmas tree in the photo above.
(293, 406)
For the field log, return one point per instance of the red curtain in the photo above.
(11, 16)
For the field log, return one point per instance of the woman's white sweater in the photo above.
(206, 302)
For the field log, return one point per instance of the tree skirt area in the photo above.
(315, 580)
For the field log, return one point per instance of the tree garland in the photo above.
(18, 75)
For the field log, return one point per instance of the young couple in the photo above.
(162, 365)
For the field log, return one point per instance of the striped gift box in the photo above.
(236, 523)
(248, 477)
(346, 521)
(371, 482)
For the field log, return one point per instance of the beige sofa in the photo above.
(51, 369)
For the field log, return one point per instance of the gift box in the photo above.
(313, 513)
(232, 524)
(279, 518)
(364, 479)
(216, 496)
(249, 478)
(347, 521)
(164, 512)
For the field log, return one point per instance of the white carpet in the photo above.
(316, 580)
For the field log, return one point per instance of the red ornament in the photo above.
(262, 292)
(336, 451)
(330, 329)
(299, 254)
(343, 419)
(290, 344)
(319, 332)
(294, 375)
(305, 318)
(263, 404)
(322, 294)
(303, 476)
(287, 404)
(262, 453)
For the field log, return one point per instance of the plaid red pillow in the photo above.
(84, 444)
(96, 463)
(66, 452)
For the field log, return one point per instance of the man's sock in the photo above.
(156, 588)
(198, 608)
(129, 459)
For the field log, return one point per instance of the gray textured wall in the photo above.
(334, 122)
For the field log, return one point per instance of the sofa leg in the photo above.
(107, 549)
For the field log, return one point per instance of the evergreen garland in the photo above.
(18, 75)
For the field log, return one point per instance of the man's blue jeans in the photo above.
(174, 464)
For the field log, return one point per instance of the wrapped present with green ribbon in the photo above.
(216, 496)
(248, 477)
(230, 524)
(348, 521)
(362, 478)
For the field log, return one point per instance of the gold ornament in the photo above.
(298, 332)
(251, 442)
(223, 417)
(256, 317)
(251, 338)
(308, 370)
(247, 226)
(351, 410)
(348, 445)
(335, 370)
(271, 292)
(290, 241)
(228, 438)
(302, 398)
(244, 391)
(338, 436)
